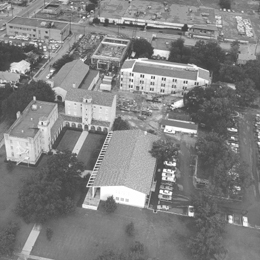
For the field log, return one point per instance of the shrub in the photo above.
(225, 4)
(49, 233)
(130, 229)
(110, 205)
(10, 166)
(106, 22)
(96, 20)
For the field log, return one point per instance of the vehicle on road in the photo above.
(169, 179)
(165, 192)
(164, 197)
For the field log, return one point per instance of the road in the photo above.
(31, 9)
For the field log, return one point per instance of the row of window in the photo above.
(122, 199)
(153, 83)
(21, 28)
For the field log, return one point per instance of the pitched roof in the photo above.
(9, 76)
(127, 161)
(128, 64)
(180, 124)
(98, 98)
(165, 69)
(71, 74)
(209, 27)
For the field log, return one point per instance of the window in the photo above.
(131, 80)
(100, 107)
(11, 141)
(121, 85)
(141, 82)
(174, 86)
(12, 147)
(122, 199)
(185, 82)
(26, 144)
(152, 83)
(12, 154)
(174, 80)
(162, 90)
(163, 85)
(121, 79)
(151, 89)
(196, 83)
(117, 198)
(142, 75)
(126, 200)
(163, 79)
(152, 77)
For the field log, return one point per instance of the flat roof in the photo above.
(89, 78)
(179, 124)
(127, 161)
(27, 124)
(35, 22)
(146, 10)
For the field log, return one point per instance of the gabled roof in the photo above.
(71, 74)
(9, 76)
(179, 124)
(98, 98)
(127, 161)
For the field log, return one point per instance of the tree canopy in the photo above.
(246, 92)
(50, 192)
(142, 48)
(120, 124)
(164, 150)
(179, 52)
(18, 100)
(58, 64)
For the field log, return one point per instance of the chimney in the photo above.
(74, 85)
(18, 114)
(34, 98)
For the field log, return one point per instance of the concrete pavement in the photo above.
(80, 142)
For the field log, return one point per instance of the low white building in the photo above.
(20, 67)
(161, 77)
(124, 169)
(173, 125)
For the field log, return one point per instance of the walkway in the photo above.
(80, 142)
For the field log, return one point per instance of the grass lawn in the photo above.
(88, 233)
(10, 184)
(90, 150)
(69, 140)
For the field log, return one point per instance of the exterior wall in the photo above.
(39, 33)
(156, 84)
(183, 130)
(123, 195)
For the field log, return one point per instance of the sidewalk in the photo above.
(80, 142)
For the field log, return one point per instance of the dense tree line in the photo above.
(58, 64)
(142, 48)
(50, 192)
(19, 99)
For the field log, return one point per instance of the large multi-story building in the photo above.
(38, 28)
(161, 77)
(90, 110)
(33, 132)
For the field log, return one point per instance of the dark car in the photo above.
(142, 117)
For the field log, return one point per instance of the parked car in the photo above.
(190, 211)
(168, 163)
(166, 130)
(141, 117)
(165, 192)
(164, 207)
(168, 171)
(170, 179)
(245, 221)
(230, 219)
(167, 174)
(146, 113)
(232, 129)
(166, 187)
(164, 197)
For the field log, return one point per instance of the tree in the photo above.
(120, 124)
(234, 51)
(58, 64)
(142, 48)
(106, 22)
(225, 4)
(246, 92)
(8, 238)
(179, 52)
(18, 100)
(96, 20)
(164, 150)
(252, 71)
(184, 28)
(90, 7)
(49, 233)
(130, 229)
(110, 205)
(231, 73)
(95, 2)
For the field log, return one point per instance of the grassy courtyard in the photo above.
(90, 150)
(69, 140)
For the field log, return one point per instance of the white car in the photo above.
(234, 145)
(190, 211)
(168, 163)
(230, 219)
(48, 76)
(164, 197)
(165, 192)
(167, 174)
(166, 187)
(170, 179)
(232, 129)
(164, 207)
(11, 37)
(167, 130)
(245, 221)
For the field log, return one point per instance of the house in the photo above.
(9, 77)
(38, 28)
(124, 169)
(173, 125)
(20, 67)
(33, 132)
(110, 53)
(161, 77)
(72, 75)
(207, 31)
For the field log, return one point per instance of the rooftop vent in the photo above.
(34, 107)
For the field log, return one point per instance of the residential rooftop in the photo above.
(35, 22)
(27, 124)
(127, 161)
(9, 76)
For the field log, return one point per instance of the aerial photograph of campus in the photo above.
(129, 130)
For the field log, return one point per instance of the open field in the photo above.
(90, 150)
(69, 140)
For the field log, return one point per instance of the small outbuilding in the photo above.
(172, 126)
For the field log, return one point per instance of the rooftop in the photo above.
(27, 124)
(180, 124)
(71, 74)
(9, 76)
(34, 22)
(98, 98)
(89, 78)
(164, 68)
(156, 11)
(132, 167)
(113, 48)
